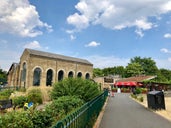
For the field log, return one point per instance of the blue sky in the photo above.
(106, 32)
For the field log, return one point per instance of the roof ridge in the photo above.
(57, 56)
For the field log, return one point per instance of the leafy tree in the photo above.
(97, 72)
(119, 70)
(166, 73)
(160, 78)
(148, 65)
(134, 69)
(81, 88)
(106, 71)
(3, 76)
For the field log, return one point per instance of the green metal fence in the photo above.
(84, 117)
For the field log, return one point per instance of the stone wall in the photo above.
(45, 63)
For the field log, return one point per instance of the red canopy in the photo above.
(127, 83)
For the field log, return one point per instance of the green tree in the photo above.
(160, 78)
(3, 76)
(166, 73)
(133, 69)
(119, 70)
(97, 72)
(148, 65)
(81, 88)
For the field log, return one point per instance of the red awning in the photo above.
(130, 83)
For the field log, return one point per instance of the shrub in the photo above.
(19, 101)
(66, 104)
(134, 96)
(16, 120)
(84, 89)
(35, 96)
(138, 90)
(41, 119)
(114, 89)
(5, 94)
(141, 99)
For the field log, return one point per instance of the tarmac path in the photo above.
(123, 112)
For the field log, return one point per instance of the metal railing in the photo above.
(84, 117)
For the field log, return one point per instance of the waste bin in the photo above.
(156, 100)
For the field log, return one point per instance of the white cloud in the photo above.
(107, 61)
(163, 63)
(117, 15)
(92, 44)
(33, 45)
(79, 21)
(9, 57)
(20, 18)
(169, 59)
(72, 37)
(139, 32)
(111, 61)
(167, 35)
(164, 50)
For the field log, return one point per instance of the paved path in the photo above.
(123, 112)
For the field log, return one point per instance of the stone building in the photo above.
(38, 68)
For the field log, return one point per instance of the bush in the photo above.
(41, 119)
(141, 99)
(5, 94)
(134, 96)
(35, 96)
(138, 90)
(19, 101)
(81, 88)
(16, 120)
(65, 104)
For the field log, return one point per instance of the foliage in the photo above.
(134, 69)
(16, 120)
(19, 101)
(35, 96)
(26, 119)
(97, 72)
(41, 119)
(81, 88)
(116, 70)
(5, 94)
(65, 105)
(134, 96)
(138, 90)
(148, 65)
(141, 99)
(3, 77)
(166, 73)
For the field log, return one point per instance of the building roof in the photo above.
(57, 56)
(13, 65)
(137, 78)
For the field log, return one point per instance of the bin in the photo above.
(155, 100)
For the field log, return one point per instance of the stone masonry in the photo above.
(37, 68)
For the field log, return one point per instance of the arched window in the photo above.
(23, 74)
(60, 75)
(49, 77)
(70, 74)
(87, 76)
(36, 77)
(79, 75)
